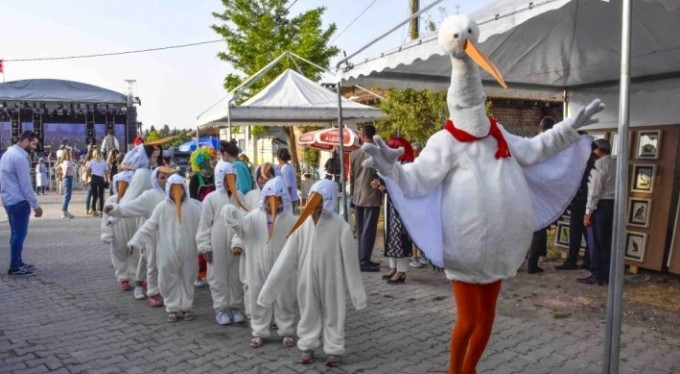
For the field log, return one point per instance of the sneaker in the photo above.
(172, 317)
(237, 316)
(199, 283)
(222, 317)
(139, 293)
(66, 215)
(423, 261)
(288, 342)
(155, 301)
(307, 357)
(27, 266)
(415, 264)
(332, 360)
(20, 272)
(125, 286)
(188, 316)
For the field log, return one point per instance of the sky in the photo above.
(174, 85)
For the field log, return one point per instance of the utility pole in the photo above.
(414, 29)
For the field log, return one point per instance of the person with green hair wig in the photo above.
(202, 182)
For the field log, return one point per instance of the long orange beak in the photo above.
(231, 184)
(273, 202)
(477, 56)
(314, 202)
(265, 170)
(121, 186)
(177, 193)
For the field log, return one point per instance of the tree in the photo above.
(258, 31)
(415, 115)
(153, 136)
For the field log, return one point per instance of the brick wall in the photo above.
(521, 117)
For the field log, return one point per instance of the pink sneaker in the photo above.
(155, 301)
(125, 286)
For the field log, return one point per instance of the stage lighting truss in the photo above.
(13, 108)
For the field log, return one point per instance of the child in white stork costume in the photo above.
(117, 234)
(264, 232)
(142, 207)
(175, 222)
(323, 252)
(138, 160)
(214, 241)
(477, 193)
(263, 174)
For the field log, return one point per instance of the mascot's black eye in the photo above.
(469, 31)
(455, 35)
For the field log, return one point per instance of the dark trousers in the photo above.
(539, 247)
(577, 231)
(367, 228)
(18, 216)
(603, 223)
(97, 184)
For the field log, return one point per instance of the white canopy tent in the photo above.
(289, 100)
(544, 48)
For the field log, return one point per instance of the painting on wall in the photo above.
(635, 246)
(639, 212)
(643, 178)
(648, 143)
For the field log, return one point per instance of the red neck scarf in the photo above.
(494, 131)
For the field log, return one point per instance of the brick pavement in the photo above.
(71, 318)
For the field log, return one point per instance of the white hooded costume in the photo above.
(117, 234)
(324, 256)
(176, 247)
(252, 202)
(139, 161)
(468, 203)
(214, 236)
(142, 207)
(260, 252)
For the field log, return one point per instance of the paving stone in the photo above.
(71, 318)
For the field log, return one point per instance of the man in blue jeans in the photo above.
(18, 197)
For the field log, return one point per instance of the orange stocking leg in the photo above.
(476, 306)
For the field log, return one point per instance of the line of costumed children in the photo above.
(258, 262)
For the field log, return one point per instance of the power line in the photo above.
(291, 5)
(111, 53)
(351, 23)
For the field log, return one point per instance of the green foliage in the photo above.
(153, 136)
(415, 115)
(182, 137)
(488, 105)
(256, 131)
(258, 31)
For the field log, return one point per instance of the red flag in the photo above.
(1, 71)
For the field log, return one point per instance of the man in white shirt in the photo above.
(600, 213)
(18, 197)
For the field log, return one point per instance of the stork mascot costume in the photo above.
(476, 193)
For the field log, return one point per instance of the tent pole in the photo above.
(342, 151)
(615, 295)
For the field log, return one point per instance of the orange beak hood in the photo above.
(176, 191)
(322, 192)
(274, 194)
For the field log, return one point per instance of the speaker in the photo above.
(89, 125)
(38, 130)
(16, 130)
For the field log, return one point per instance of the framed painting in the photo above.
(648, 143)
(636, 243)
(643, 178)
(639, 211)
(562, 234)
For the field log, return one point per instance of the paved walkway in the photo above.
(71, 318)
